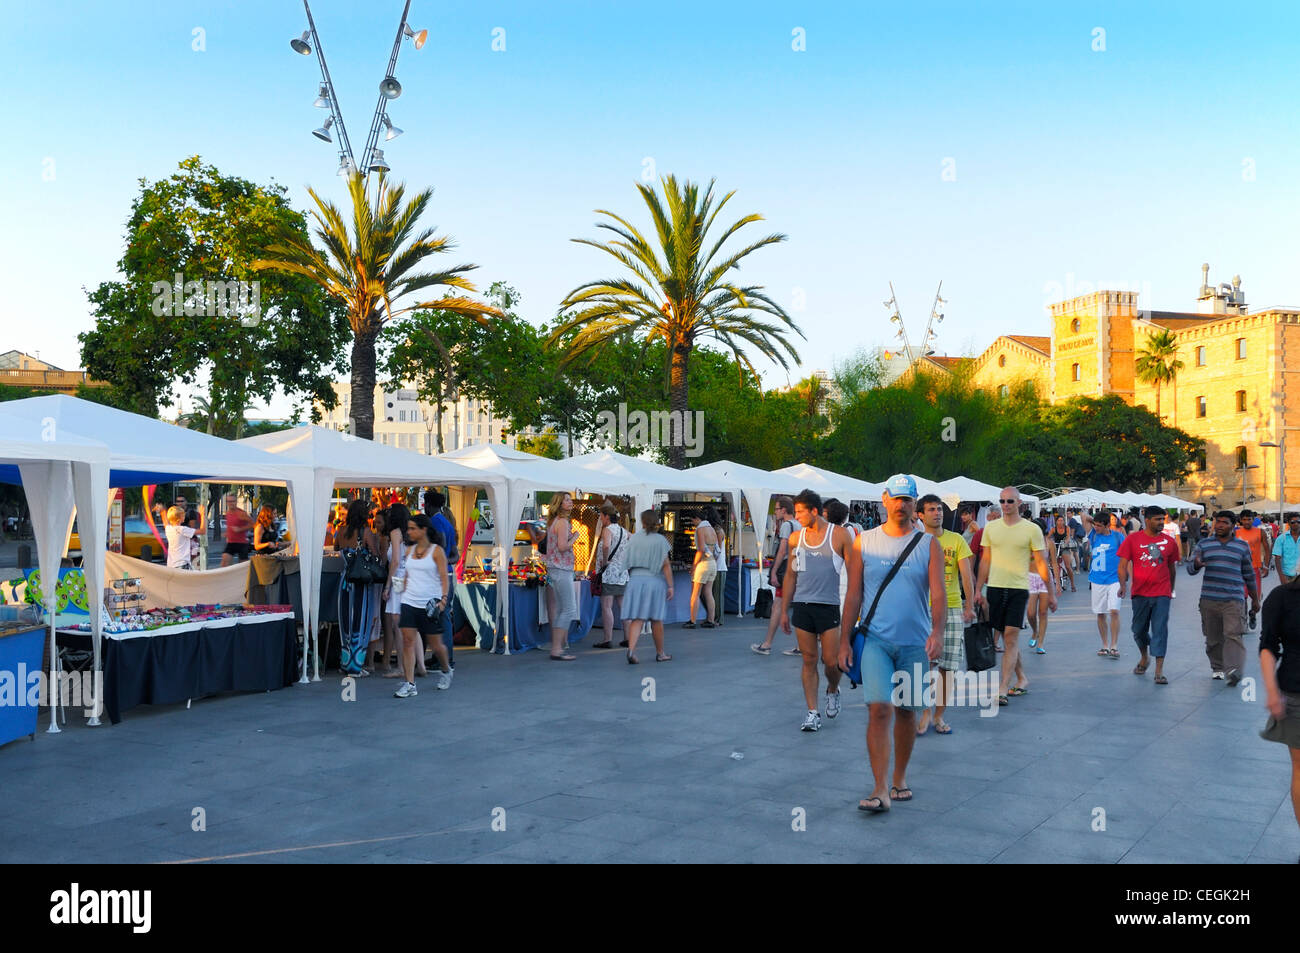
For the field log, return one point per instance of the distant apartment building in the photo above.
(404, 421)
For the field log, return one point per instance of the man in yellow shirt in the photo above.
(957, 578)
(1008, 544)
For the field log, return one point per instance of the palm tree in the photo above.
(679, 290)
(369, 269)
(1157, 363)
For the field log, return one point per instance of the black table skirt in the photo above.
(166, 669)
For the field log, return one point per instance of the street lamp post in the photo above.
(389, 88)
(1245, 468)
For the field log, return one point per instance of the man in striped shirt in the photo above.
(1228, 567)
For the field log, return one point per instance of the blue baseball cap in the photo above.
(901, 485)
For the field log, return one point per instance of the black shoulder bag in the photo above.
(859, 638)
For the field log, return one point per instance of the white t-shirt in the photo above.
(178, 546)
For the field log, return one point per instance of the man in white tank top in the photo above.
(811, 591)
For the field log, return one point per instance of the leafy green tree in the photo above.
(209, 228)
(369, 268)
(1122, 447)
(543, 444)
(679, 290)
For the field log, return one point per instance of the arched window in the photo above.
(1002, 360)
(1075, 325)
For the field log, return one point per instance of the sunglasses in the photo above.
(1007, 502)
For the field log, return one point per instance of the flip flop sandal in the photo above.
(900, 794)
(602, 645)
(943, 728)
(1161, 680)
(1017, 692)
(1002, 701)
(880, 806)
(1103, 653)
(688, 625)
(1139, 670)
(663, 658)
(563, 658)
(632, 659)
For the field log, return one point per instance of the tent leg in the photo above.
(315, 638)
(54, 728)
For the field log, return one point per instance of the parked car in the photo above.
(135, 535)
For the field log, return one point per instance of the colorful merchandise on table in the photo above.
(147, 620)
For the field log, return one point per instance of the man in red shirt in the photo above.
(238, 523)
(1260, 550)
(1152, 557)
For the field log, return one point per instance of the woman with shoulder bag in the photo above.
(352, 538)
(611, 565)
(423, 599)
(398, 518)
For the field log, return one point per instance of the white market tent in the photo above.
(656, 477)
(830, 484)
(1090, 497)
(1267, 507)
(523, 473)
(758, 487)
(59, 471)
(142, 450)
(341, 460)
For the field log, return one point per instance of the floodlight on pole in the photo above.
(323, 133)
(419, 37)
(322, 98)
(390, 88)
(377, 163)
(300, 45)
(393, 131)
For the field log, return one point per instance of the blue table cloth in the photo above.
(20, 659)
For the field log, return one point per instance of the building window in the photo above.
(401, 415)
(1200, 407)
(1004, 391)
(1002, 360)
(1200, 356)
(1241, 401)
(1241, 349)
(1241, 458)
(1074, 372)
(1200, 461)
(1075, 325)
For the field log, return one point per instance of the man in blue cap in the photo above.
(904, 633)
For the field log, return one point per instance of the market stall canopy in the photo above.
(1263, 507)
(524, 473)
(143, 450)
(830, 484)
(654, 477)
(758, 487)
(59, 470)
(974, 491)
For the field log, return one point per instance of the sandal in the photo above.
(1103, 652)
(689, 625)
(1002, 701)
(392, 673)
(900, 794)
(632, 659)
(602, 645)
(1114, 653)
(706, 624)
(1040, 651)
(943, 728)
(563, 658)
(1161, 680)
(1139, 669)
(880, 807)
(663, 658)
(1017, 692)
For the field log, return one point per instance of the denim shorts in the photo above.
(881, 660)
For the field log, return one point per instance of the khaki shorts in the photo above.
(705, 570)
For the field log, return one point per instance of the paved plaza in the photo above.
(577, 766)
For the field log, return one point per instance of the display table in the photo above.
(20, 658)
(173, 664)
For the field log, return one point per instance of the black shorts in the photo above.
(417, 618)
(238, 550)
(814, 617)
(1007, 608)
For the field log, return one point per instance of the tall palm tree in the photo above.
(369, 269)
(680, 290)
(1157, 363)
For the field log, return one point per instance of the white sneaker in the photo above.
(832, 704)
(406, 690)
(812, 721)
(444, 679)
(794, 651)
(1218, 675)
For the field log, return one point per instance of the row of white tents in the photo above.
(67, 453)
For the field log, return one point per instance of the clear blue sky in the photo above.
(1071, 165)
